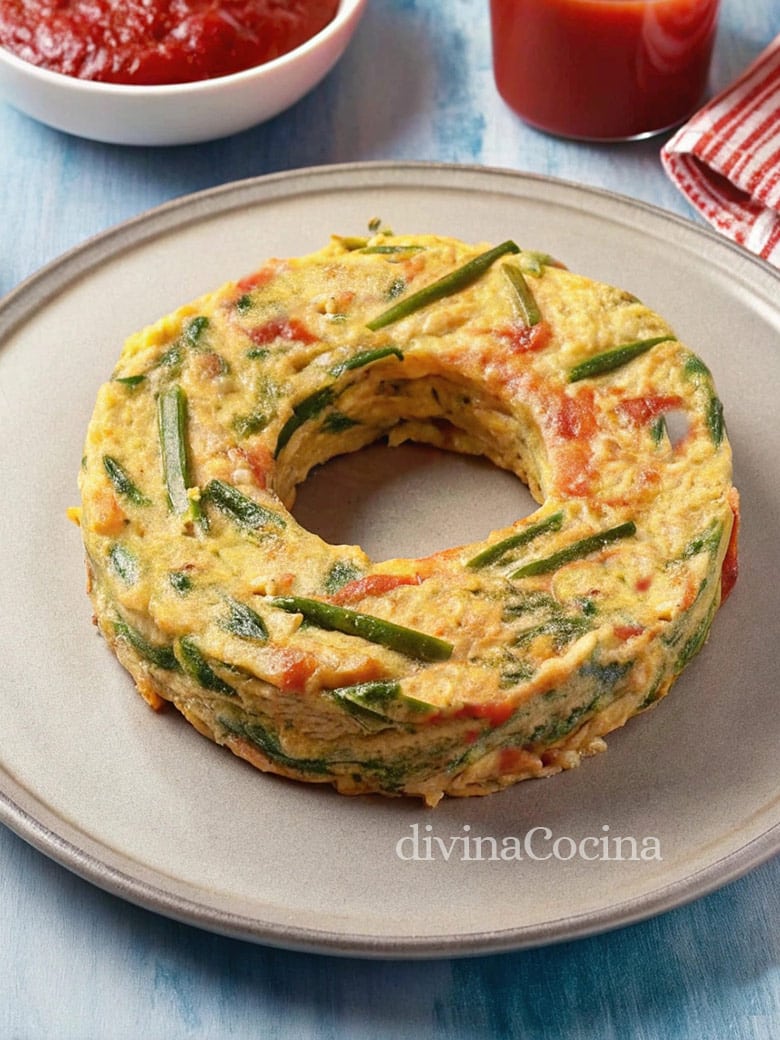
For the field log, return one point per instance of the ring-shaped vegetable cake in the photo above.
(462, 672)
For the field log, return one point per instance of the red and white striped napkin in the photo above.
(726, 159)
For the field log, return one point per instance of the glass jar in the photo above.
(603, 69)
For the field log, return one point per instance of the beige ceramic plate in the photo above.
(145, 808)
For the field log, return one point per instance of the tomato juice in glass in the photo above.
(603, 69)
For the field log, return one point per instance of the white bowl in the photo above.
(181, 113)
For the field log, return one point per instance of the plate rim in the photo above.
(160, 213)
(63, 846)
(186, 910)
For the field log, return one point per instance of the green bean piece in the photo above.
(407, 641)
(514, 541)
(575, 551)
(376, 696)
(122, 483)
(268, 743)
(534, 262)
(131, 381)
(716, 424)
(124, 563)
(254, 422)
(180, 581)
(696, 641)
(695, 369)
(303, 411)
(172, 359)
(239, 508)
(365, 357)
(159, 655)
(524, 298)
(341, 573)
(563, 630)
(198, 668)
(658, 430)
(694, 366)
(171, 422)
(609, 360)
(195, 328)
(337, 422)
(446, 286)
(244, 622)
(372, 696)
(708, 541)
(396, 288)
(388, 250)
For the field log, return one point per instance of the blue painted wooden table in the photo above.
(78, 963)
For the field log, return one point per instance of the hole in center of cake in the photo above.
(409, 501)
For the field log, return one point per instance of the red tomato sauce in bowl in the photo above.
(603, 69)
(153, 42)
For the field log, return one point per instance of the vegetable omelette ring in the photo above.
(462, 672)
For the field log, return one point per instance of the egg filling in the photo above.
(458, 673)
